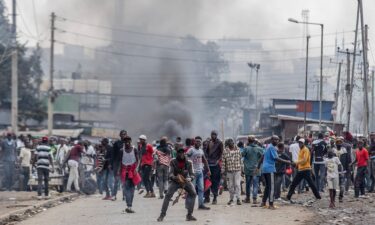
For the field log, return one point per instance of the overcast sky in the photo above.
(204, 19)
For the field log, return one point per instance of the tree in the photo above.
(29, 76)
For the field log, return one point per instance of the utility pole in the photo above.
(51, 90)
(353, 69)
(372, 100)
(306, 76)
(14, 108)
(337, 92)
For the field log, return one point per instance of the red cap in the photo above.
(45, 138)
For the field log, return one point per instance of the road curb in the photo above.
(21, 214)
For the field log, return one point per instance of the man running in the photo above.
(361, 158)
(146, 152)
(180, 175)
(304, 171)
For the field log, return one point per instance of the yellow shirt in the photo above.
(304, 159)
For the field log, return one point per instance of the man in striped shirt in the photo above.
(43, 159)
(163, 158)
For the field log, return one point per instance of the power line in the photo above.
(182, 49)
(171, 58)
(180, 37)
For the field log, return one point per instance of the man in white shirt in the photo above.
(294, 150)
(62, 151)
(25, 159)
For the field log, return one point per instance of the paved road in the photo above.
(94, 211)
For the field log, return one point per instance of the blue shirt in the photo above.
(270, 156)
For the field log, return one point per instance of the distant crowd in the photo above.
(199, 168)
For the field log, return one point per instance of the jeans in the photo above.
(9, 167)
(359, 182)
(128, 190)
(269, 189)
(198, 183)
(320, 171)
(100, 181)
(303, 175)
(190, 198)
(108, 182)
(342, 182)
(278, 183)
(73, 175)
(252, 181)
(43, 175)
(146, 177)
(215, 179)
(234, 182)
(26, 176)
(162, 172)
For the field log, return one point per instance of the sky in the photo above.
(208, 19)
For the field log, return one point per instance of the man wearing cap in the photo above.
(146, 153)
(115, 163)
(9, 156)
(304, 171)
(214, 153)
(181, 175)
(345, 159)
(43, 160)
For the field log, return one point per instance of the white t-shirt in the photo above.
(25, 154)
(332, 167)
(294, 149)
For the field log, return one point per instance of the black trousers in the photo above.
(146, 177)
(43, 175)
(359, 182)
(269, 188)
(278, 182)
(303, 175)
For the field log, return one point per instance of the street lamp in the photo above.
(256, 67)
(321, 65)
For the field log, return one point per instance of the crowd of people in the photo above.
(199, 168)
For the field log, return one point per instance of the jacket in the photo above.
(214, 154)
(251, 156)
(174, 170)
(344, 156)
(146, 154)
(319, 150)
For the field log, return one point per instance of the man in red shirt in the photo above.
(146, 154)
(361, 158)
(73, 162)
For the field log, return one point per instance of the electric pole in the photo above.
(51, 90)
(372, 100)
(337, 92)
(14, 108)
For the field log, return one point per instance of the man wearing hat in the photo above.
(181, 175)
(214, 153)
(304, 171)
(146, 152)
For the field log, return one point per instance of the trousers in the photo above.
(215, 179)
(129, 188)
(43, 175)
(252, 181)
(234, 183)
(190, 198)
(269, 189)
(303, 175)
(73, 175)
(162, 172)
(146, 177)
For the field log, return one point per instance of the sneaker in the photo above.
(214, 202)
(129, 210)
(161, 197)
(190, 217)
(113, 198)
(230, 202)
(39, 197)
(160, 219)
(47, 197)
(263, 205)
(273, 207)
(255, 201)
(141, 191)
(152, 195)
(246, 200)
(107, 198)
(206, 200)
(239, 202)
(147, 195)
(340, 200)
(203, 207)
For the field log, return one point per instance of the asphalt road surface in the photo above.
(94, 211)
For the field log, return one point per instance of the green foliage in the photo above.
(29, 76)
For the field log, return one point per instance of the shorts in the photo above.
(333, 183)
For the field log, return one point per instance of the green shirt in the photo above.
(251, 156)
